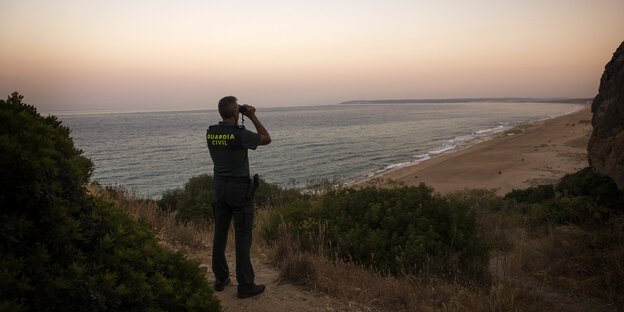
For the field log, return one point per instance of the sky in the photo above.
(170, 55)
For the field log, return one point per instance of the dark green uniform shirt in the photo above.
(228, 144)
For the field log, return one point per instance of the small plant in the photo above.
(512, 132)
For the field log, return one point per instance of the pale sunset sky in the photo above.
(169, 55)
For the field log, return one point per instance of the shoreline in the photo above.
(531, 153)
(463, 145)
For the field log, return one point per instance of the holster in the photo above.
(254, 186)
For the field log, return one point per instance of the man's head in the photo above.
(228, 106)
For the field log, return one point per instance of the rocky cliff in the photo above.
(606, 145)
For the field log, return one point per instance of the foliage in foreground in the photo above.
(397, 230)
(62, 249)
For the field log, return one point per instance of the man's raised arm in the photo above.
(265, 138)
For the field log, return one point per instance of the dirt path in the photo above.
(278, 296)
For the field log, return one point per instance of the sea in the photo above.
(152, 152)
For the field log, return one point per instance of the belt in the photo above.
(233, 179)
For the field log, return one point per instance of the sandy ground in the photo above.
(540, 152)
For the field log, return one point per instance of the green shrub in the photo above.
(269, 195)
(398, 230)
(169, 200)
(194, 201)
(61, 249)
(588, 182)
(533, 194)
(584, 197)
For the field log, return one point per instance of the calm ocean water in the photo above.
(158, 151)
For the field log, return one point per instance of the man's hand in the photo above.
(249, 110)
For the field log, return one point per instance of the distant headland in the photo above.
(468, 100)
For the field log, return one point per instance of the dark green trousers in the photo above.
(230, 200)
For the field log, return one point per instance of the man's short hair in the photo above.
(227, 106)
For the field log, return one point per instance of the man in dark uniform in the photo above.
(228, 144)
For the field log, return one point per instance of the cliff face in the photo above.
(606, 145)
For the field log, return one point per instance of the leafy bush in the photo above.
(584, 197)
(588, 182)
(61, 249)
(398, 230)
(194, 201)
(270, 195)
(169, 200)
(533, 194)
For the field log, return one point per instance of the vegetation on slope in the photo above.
(569, 235)
(62, 249)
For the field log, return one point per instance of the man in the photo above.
(228, 144)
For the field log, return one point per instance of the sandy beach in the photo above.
(539, 152)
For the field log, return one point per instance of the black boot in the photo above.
(254, 290)
(219, 285)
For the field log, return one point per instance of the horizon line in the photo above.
(378, 101)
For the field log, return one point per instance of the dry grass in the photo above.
(389, 293)
(195, 240)
(172, 234)
(583, 262)
(575, 268)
